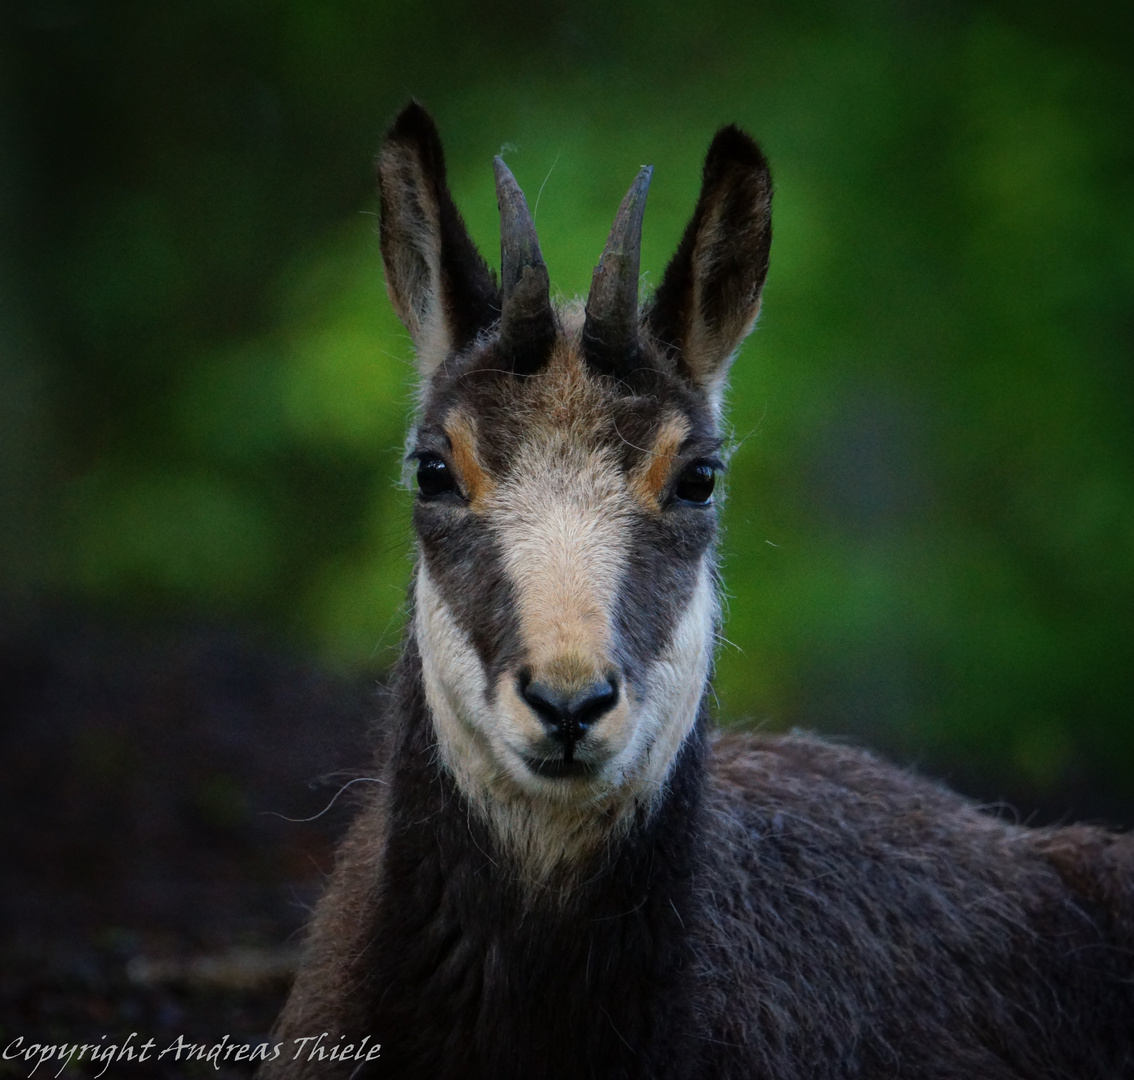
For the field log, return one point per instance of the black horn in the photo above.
(610, 332)
(527, 319)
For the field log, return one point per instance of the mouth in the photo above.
(562, 767)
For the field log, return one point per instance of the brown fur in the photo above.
(476, 483)
(650, 481)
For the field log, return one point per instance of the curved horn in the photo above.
(527, 320)
(611, 327)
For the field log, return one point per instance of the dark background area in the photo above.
(204, 548)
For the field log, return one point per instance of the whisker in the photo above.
(334, 799)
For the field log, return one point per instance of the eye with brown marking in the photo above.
(695, 483)
(434, 477)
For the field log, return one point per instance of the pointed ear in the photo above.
(710, 293)
(438, 283)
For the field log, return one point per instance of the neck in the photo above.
(465, 933)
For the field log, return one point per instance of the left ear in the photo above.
(709, 296)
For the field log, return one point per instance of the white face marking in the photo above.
(455, 689)
(676, 684)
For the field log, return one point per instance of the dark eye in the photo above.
(434, 477)
(696, 483)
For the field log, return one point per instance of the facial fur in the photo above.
(562, 558)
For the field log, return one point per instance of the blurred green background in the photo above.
(930, 516)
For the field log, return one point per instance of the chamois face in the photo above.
(565, 601)
(565, 464)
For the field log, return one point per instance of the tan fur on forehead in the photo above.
(567, 396)
(650, 479)
(475, 481)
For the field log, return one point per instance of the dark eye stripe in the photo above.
(466, 565)
(661, 573)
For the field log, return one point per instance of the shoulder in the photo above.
(756, 768)
(832, 801)
(810, 806)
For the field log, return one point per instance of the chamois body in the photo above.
(564, 872)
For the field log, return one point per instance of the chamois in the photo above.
(565, 873)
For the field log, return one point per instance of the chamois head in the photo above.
(565, 600)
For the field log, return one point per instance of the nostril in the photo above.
(590, 704)
(569, 713)
(548, 703)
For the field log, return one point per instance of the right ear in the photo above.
(438, 282)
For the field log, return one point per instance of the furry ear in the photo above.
(709, 296)
(437, 280)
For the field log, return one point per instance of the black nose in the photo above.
(568, 714)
